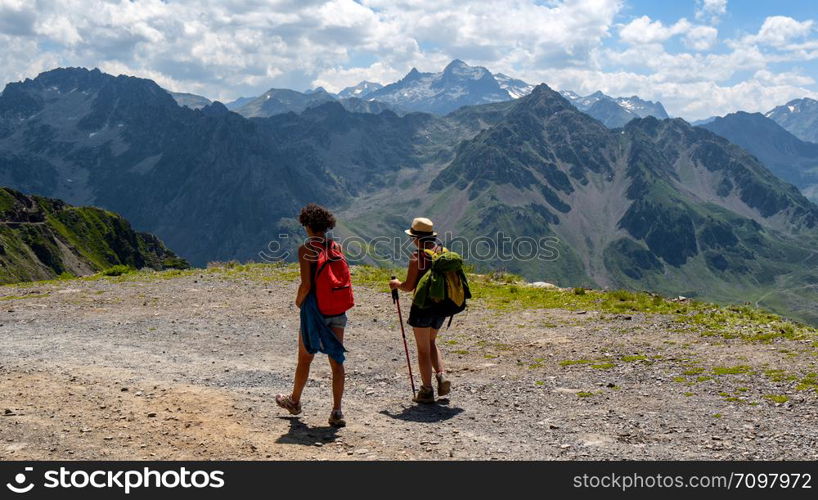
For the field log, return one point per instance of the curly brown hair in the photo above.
(317, 218)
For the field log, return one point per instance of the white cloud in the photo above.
(226, 48)
(644, 30)
(231, 47)
(789, 78)
(338, 78)
(701, 38)
(778, 31)
(710, 10)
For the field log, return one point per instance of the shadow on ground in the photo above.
(425, 413)
(303, 434)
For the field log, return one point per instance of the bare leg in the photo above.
(302, 370)
(338, 375)
(437, 359)
(424, 354)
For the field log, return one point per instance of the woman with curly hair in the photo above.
(323, 296)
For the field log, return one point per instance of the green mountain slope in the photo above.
(656, 205)
(209, 182)
(788, 157)
(659, 205)
(42, 238)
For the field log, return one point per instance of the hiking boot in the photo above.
(425, 395)
(288, 404)
(336, 419)
(443, 385)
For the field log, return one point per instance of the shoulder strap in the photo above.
(434, 252)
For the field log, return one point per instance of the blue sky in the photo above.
(740, 19)
(698, 57)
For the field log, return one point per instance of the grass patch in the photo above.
(731, 370)
(693, 371)
(510, 292)
(779, 375)
(634, 358)
(603, 366)
(584, 394)
(21, 297)
(809, 382)
(747, 323)
(570, 362)
(776, 398)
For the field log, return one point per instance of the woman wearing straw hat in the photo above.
(424, 324)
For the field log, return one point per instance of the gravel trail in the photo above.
(187, 367)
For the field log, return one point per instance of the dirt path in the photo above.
(186, 368)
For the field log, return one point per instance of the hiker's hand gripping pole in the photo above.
(396, 301)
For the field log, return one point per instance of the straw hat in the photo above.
(421, 228)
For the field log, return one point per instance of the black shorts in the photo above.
(423, 319)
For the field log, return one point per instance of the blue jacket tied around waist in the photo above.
(316, 335)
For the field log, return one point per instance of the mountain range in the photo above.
(192, 101)
(660, 205)
(279, 101)
(440, 93)
(615, 112)
(799, 117)
(42, 238)
(787, 156)
(360, 90)
(456, 86)
(657, 204)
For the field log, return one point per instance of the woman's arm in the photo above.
(306, 277)
(411, 276)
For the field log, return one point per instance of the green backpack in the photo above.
(443, 290)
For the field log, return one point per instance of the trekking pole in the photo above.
(396, 300)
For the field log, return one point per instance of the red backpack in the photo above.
(331, 280)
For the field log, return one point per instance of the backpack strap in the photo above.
(320, 247)
(434, 252)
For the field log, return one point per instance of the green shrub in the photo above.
(175, 263)
(118, 270)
